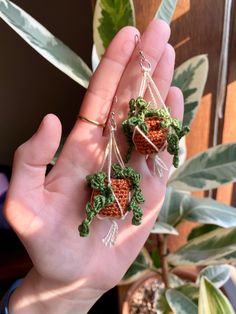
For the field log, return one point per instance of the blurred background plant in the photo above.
(204, 172)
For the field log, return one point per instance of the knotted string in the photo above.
(147, 82)
(110, 238)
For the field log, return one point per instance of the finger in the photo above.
(85, 141)
(152, 43)
(101, 91)
(163, 74)
(161, 56)
(85, 138)
(32, 157)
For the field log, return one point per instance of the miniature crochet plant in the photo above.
(114, 199)
(115, 192)
(152, 130)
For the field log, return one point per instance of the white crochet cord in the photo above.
(110, 237)
(147, 82)
(158, 163)
(157, 101)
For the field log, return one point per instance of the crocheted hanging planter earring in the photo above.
(115, 192)
(149, 126)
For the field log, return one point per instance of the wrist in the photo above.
(37, 295)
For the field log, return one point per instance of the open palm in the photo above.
(45, 211)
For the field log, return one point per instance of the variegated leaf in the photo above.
(200, 230)
(139, 267)
(45, 43)
(172, 208)
(209, 211)
(208, 170)
(163, 228)
(218, 275)
(212, 300)
(208, 249)
(109, 17)
(166, 10)
(180, 303)
(175, 281)
(191, 78)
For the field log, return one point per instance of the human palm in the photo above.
(45, 211)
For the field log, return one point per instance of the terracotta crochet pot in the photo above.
(156, 135)
(121, 188)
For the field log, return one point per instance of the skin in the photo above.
(70, 273)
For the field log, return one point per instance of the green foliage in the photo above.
(191, 77)
(218, 275)
(140, 265)
(212, 300)
(45, 43)
(155, 255)
(166, 10)
(208, 249)
(198, 231)
(139, 109)
(209, 211)
(180, 303)
(98, 182)
(115, 15)
(184, 79)
(109, 17)
(172, 208)
(210, 169)
(163, 228)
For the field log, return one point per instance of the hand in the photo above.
(70, 273)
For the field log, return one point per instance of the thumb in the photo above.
(32, 157)
(28, 175)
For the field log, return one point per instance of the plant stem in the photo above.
(163, 253)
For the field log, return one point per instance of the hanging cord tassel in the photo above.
(110, 238)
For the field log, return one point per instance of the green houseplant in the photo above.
(211, 246)
(107, 19)
(105, 197)
(169, 129)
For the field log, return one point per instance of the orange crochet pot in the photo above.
(156, 135)
(121, 189)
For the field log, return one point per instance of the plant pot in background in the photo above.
(143, 294)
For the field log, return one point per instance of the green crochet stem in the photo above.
(138, 112)
(106, 197)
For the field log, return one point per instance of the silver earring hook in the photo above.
(143, 61)
(113, 122)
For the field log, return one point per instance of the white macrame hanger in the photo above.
(147, 83)
(110, 237)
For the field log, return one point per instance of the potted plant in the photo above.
(123, 191)
(157, 125)
(211, 245)
(183, 179)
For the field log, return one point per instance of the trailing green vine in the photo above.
(139, 110)
(97, 181)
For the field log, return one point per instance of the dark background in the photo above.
(31, 87)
